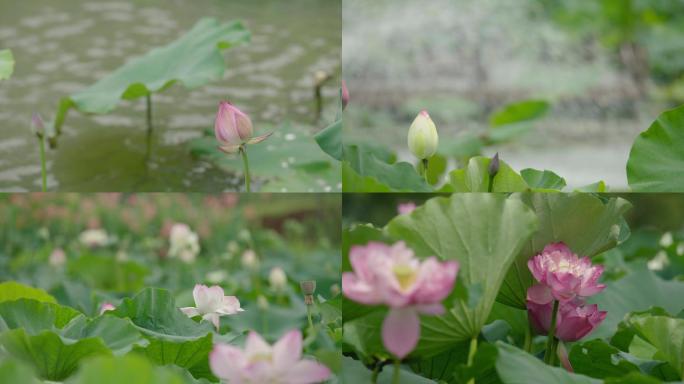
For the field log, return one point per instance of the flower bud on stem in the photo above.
(308, 288)
(493, 170)
(245, 162)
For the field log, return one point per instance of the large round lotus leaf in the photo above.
(656, 161)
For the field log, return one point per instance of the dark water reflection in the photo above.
(64, 46)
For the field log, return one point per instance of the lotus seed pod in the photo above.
(422, 136)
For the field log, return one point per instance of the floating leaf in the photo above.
(106, 272)
(518, 112)
(656, 159)
(582, 221)
(6, 64)
(598, 359)
(194, 59)
(11, 290)
(484, 233)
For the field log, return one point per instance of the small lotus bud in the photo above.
(93, 238)
(335, 289)
(345, 95)
(406, 208)
(216, 277)
(422, 136)
(38, 125)
(232, 127)
(494, 165)
(57, 257)
(262, 302)
(277, 278)
(320, 77)
(308, 288)
(106, 307)
(249, 259)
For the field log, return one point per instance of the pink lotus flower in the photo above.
(233, 128)
(393, 276)
(406, 208)
(565, 273)
(211, 303)
(261, 363)
(575, 319)
(57, 257)
(106, 307)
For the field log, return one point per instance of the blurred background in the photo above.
(63, 47)
(90, 249)
(599, 72)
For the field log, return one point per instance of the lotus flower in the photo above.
(57, 257)
(406, 208)
(233, 128)
(565, 273)
(261, 363)
(575, 319)
(393, 276)
(277, 278)
(422, 136)
(184, 243)
(106, 307)
(211, 303)
(94, 238)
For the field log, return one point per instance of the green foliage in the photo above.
(396, 177)
(475, 178)
(11, 290)
(657, 155)
(194, 59)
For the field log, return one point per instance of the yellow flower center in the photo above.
(405, 275)
(259, 357)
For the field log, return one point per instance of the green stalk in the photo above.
(245, 161)
(149, 126)
(528, 337)
(397, 372)
(42, 163)
(471, 355)
(308, 315)
(551, 338)
(425, 170)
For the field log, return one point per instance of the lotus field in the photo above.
(526, 288)
(165, 288)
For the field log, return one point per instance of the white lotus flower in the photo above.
(184, 243)
(211, 303)
(277, 278)
(94, 238)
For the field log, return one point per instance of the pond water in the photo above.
(63, 47)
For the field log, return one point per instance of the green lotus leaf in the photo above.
(11, 290)
(6, 64)
(194, 59)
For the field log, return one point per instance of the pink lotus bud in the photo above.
(211, 303)
(565, 273)
(406, 208)
(574, 320)
(393, 276)
(233, 128)
(260, 362)
(106, 307)
(38, 125)
(57, 257)
(345, 95)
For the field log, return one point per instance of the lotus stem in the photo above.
(551, 338)
(471, 355)
(528, 337)
(397, 372)
(148, 98)
(42, 163)
(426, 162)
(309, 316)
(245, 161)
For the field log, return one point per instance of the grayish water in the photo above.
(62, 47)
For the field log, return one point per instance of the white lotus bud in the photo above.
(422, 136)
(277, 278)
